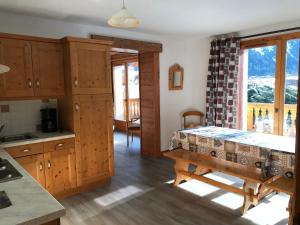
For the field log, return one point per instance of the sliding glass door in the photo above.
(269, 78)
(126, 90)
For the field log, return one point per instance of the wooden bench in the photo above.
(254, 188)
(281, 184)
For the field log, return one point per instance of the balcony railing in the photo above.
(133, 107)
(260, 117)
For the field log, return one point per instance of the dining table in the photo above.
(272, 154)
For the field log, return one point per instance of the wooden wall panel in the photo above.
(150, 107)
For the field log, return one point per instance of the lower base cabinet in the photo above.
(34, 165)
(54, 169)
(60, 171)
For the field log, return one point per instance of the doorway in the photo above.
(126, 95)
(148, 57)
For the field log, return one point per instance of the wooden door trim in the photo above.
(141, 46)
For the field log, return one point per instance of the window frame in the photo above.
(279, 96)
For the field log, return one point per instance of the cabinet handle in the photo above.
(76, 107)
(41, 167)
(38, 83)
(59, 145)
(49, 164)
(76, 82)
(26, 150)
(29, 83)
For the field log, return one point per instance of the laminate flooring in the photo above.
(141, 193)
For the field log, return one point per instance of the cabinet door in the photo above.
(60, 171)
(90, 68)
(94, 142)
(34, 165)
(48, 69)
(18, 82)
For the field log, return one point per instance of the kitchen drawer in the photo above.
(59, 145)
(25, 150)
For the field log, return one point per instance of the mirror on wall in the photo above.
(175, 77)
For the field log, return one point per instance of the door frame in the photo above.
(151, 51)
(296, 203)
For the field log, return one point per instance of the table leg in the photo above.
(250, 195)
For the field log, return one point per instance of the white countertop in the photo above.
(31, 203)
(41, 137)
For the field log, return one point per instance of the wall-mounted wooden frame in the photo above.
(176, 74)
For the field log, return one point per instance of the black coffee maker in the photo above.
(49, 120)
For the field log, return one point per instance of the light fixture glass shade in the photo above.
(4, 69)
(123, 19)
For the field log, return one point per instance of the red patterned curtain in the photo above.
(221, 94)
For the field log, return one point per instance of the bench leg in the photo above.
(201, 171)
(181, 166)
(250, 195)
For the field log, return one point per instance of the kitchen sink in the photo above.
(18, 137)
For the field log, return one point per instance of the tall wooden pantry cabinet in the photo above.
(87, 108)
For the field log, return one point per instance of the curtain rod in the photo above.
(271, 32)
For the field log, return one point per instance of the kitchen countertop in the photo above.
(31, 203)
(41, 137)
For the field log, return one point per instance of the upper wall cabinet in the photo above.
(18, 82)
(36, 68)
(48, 69)
(90, 66)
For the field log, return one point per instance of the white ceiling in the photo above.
(167, 17)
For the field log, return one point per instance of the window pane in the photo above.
(119, 92)
(291, 87)
(133, 90)
(133, 80)
(259, 66)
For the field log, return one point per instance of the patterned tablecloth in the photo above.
(274, 155)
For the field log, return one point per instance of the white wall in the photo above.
(191, 54)
(23, 116)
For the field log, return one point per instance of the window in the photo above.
(269, 77)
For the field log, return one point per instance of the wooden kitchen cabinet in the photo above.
(93, 122)
(52, 164)
(18, 82)
(60, 171)
(87, 109)
(34, 165)
(36, 67)
(48, 69)
(90, 67)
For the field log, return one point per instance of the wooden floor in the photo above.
(141, 194)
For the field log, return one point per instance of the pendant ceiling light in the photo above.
(4, 69)
(123, 19)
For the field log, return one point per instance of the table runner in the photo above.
(272, 154)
